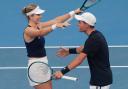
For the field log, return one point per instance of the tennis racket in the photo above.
(86, 4)
(40, 72)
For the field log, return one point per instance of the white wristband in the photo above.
(72, 13)
(54, 27)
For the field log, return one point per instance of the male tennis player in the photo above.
(34, 38)
(95, 49)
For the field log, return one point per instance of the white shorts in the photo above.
(100, 87)
(30, 61)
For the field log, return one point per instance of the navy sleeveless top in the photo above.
(36, 48)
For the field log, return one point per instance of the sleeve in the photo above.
(90, 46)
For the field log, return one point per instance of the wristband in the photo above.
(72, 13)
(54, 27)
(72, 51)
(65, 70)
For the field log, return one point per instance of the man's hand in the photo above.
(58, 75)
(63, 52)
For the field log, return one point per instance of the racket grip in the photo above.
(70, 78)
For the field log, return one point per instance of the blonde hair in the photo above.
(28, 8)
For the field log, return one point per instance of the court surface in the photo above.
(13, 60)
(13, 69)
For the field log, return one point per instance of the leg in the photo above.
(94, 87)
(98, 87)
(106, 87)
(47, 85)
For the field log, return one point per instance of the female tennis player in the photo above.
(34, 36)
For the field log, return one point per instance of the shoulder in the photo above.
(93, 38)
(97, 36)
(29, 29)
(98, 33)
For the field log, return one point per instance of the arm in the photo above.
(63, 52)
(54, 21)
(60, 19)
(80, 49)
(76, 62)
(91, 45)
(76, 50)
(35, 33)
(32, 32)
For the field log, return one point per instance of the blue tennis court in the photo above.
(13, 69)
(112, 22)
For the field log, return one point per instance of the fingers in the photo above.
(78, 11)
(61, 55)
(62, 52)
(62, 25)
(66, 24)
(58, 75)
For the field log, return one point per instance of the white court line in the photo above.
(55, 67)
(80, 67)
(110, 46)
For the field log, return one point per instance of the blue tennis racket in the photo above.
(86, 4)
(89, 3)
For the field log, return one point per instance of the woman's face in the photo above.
(35, 18)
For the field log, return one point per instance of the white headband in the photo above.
(37, 10)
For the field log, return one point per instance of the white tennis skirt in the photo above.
(32, 60)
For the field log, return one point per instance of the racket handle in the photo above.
(70, 78)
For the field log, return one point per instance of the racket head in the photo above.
(40, 72)
(89, 3)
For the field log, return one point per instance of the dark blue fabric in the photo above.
(36, 48)
(97, 52)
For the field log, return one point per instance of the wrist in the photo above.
(54, 27)
(65, 70)
(72, 51)
(72, 13)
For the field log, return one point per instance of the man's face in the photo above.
(83, 26)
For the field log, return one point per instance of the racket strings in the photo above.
(89, 3)
(45, 69)
(39, 72)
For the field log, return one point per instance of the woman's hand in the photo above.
(63, 52)
(62, 25)
(78, 11)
